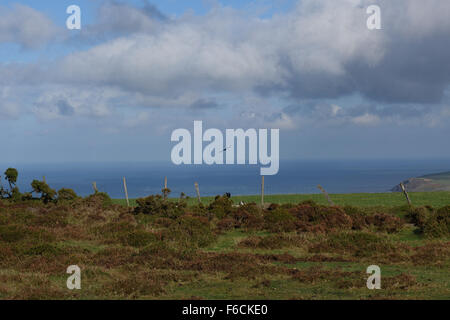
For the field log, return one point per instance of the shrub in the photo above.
(221, 206)
(317, 218)
(11, 175)
(16, 195)
(353, 211)
(226, 224)
(99, 199)
(47, 194)
(431, 223)
(27, 196)
(199, 210)
(438, 224)
(385, 222)
(247, 216)
(163, 222)
(66, 195)
(156, 205)
(311, 203)
(279, 220)
(191, 231)
(418, 216)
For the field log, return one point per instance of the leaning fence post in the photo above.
(94, 185)
(198, 193)
(405, 193)
(126, 191)
(326, 195)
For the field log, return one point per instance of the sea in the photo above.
(294, 176)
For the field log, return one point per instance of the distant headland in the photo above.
(431, 182)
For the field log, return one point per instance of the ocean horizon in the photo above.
(294, 177)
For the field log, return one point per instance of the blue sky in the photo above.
(137, 70)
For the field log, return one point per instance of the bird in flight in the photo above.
(226, 148)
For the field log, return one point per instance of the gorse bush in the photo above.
(221, 206)
(248, 216)
(66, 195)
(430, 222)
(156, 205)
(437, 224)
(279, 220)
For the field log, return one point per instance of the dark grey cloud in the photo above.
(203, 104)
(64, 108)
(412, 70)
(324, 111)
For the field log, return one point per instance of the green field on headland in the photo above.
(428, 183)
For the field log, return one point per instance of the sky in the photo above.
(137, 70)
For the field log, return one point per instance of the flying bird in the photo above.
(225, 149)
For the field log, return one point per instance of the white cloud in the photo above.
(25, 26)
(320, 50)
(226, 51)
(366, 119)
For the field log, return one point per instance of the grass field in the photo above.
(166, 250)
(392, 199)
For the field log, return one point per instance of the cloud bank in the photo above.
(315, 65)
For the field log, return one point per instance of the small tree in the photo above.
(11, 175)
(47, 194)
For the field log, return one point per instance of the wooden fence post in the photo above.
(198, 193)
(126, 191)
(326, 195)
(94, 185)
(165, 188)
(405, 193)
(262, 192)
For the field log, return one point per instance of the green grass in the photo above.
(392, 199)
